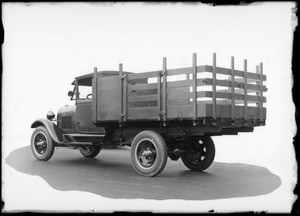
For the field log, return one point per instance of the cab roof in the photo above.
(86, 80)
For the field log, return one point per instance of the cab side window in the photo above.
(85, 92)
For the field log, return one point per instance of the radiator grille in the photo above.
(66, 122)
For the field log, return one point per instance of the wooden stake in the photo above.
(95, 95)
(232, 88)
(122, 93)
(195, 86)
(261, 90)
(245, 91)
(214, 86)
(165, 90)
(257, 83)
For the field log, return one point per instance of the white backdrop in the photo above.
(48, 44)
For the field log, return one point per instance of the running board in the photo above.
(85, 135)
(70, 141)
(73, 144)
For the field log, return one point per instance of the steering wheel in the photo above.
(89, 96)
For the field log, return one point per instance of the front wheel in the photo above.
(199, 154)
(41, 144)
(90, 151)
(148, 153)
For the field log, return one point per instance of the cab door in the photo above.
(84, 110)
(84, 117)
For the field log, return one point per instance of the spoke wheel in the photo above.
(148, 153)
(41, 144)
(200, 154)
(90, 151)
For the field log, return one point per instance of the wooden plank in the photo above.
(142, 113)
(142, 86)
(177, 101)
(150, 74)
(224, 111)
(180, 94)
(201, 94)
(143, 98)
(185, 70)
(109, 98)
(179, 71)
(250, 87)
(209, 81)
(252, 77)
(250, 98)
(226, 71)
(179, 89)
(250, 81)
(180, 111)
(238, 91)
(141, 104)
(227, 83)
(137, 81)
(142, 92)
(180, 83)
(184, 112)
(222, 102)
(201, 68)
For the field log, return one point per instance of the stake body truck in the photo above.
(159, 114)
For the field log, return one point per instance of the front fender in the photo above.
(54, 131)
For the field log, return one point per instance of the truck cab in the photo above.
(78, 118)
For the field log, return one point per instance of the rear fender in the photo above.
(54, 131)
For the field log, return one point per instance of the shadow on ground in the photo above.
(111, 175)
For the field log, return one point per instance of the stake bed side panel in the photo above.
(185, 94)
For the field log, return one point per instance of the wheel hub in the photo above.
(146, 154)
(198, 154)
(40, 143)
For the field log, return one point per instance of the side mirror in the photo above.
(70, 94)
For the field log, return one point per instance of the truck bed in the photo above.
(225, 95)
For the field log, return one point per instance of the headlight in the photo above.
(50, 115)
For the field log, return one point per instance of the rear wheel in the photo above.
(148, 153)
(199, 154)
(41, 144)
(90, 151)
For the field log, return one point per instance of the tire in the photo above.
(42, 145)
(200, 154)
(148, 153)
(90, 151)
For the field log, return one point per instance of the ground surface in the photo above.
(111, 175)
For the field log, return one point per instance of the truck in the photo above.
(168, 113)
